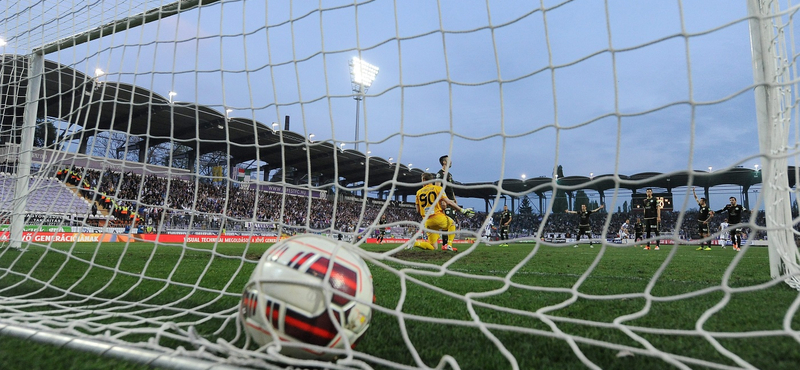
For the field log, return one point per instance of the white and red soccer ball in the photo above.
(285, 298)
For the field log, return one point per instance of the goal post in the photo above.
(775, 89)
(35, 72)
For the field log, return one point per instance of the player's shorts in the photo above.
(450, 212)
(438, 222)
(702, 228)
(651, 225)
(584, 229)
(735, 231)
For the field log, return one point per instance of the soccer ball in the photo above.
(286, 299)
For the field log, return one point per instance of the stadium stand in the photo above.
(123, 199)
(47, 195)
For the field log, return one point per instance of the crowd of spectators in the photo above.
(164, 203)
(566, 224)
(179, 204)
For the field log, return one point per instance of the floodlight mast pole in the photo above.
(358, 102)
(362, 74)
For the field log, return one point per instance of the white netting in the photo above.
(28, 25)
(141, 183)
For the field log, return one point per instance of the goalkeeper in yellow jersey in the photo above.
(431, 202)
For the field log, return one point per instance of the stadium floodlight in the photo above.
(3, 42)
(97, 74)
(523, 176)
(362, 75)
(275, 126)
(709, 168)
(756, 167)
(172, 96)
(311, 137)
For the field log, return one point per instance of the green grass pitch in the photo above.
(508, 277)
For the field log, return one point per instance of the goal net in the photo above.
(151, 151)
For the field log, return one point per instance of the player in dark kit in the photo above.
(382, 229)
(445, 174)
(583, 226)
(505, 221)
(703, 218)
(652, 217)
(637, 230)
(735, 212)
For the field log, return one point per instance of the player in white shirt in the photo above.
(623, 232)
(723, 234)
(487, 232)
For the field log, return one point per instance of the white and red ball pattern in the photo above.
(285, 296)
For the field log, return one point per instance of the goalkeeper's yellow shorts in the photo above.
(438, 221)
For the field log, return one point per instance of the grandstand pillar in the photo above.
(745, 196)
(602, 198)
(84, 144)
(142, 151)
(20, 201)
(265, 170)
(541, 199)
(192, 163)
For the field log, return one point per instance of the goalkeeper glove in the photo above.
(468, 212)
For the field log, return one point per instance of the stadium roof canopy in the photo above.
(72, 96)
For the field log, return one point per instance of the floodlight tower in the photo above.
(362, 74)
